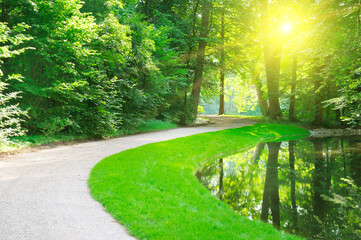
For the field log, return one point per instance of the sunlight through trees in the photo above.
(100, 67)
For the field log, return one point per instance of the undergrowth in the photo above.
(27, 141)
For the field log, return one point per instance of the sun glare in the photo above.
(286, 27)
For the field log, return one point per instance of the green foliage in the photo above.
(61, 73)
(103, 66)
(10, 41)
(98, 76)
(99, 67)
(200, 109)
(155, 125)
(9, 116)
(349, 99)
(101, 8)
(26, 141)
(326, 41)
(325, 38)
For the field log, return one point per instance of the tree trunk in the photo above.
(183, 117)
(147, 6)
(292, 116)
(272, 56)
(262, 102)
(318, 103)
(338, 115)
(318, 80)
(198, 75)
(272, 72)
(222, 67)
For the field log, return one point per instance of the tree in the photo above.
(272, 55)
(291, 111)
(198, 75)
(271, 198)
(222, 63)
(11, 40)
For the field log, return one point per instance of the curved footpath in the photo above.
(44, 194)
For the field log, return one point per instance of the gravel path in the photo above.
(44, 194)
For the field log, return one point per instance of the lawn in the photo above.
(153, 192)
(26, 141)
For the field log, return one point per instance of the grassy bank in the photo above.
(152, 189)
(27, 141)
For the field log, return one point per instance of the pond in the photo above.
(309, 187)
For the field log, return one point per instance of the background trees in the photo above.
(307, 48)
(99, 67)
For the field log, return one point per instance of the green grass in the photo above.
(262, 119)
(256, 118)
(27, 141)
(153, 192)
(155, 125)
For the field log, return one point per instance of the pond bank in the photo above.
(327, 132)
(152, 190)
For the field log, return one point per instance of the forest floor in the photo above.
(44, 192)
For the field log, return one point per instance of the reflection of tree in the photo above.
(271, 198)
(355, 162)
(257, 153)
(243, 183)
(314, 186)
(319, 183)
(221, 175)
(291, 154)
(206, 176)
(343, 157)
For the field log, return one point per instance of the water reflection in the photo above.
(271, 199)
(309, 187)
(221, 175)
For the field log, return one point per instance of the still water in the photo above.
(309, 187)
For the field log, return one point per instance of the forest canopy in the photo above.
(97, 67)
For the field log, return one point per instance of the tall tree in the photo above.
(198, 75)
(222, 63)
(272, 55)
(257, 82)
(291, 113)
(318, 82)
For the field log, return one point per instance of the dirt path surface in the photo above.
(44, 194)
